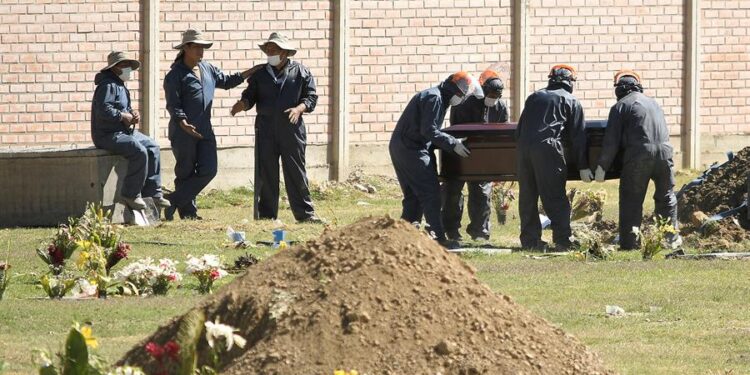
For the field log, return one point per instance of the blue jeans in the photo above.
(144, 167)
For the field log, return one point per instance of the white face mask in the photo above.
(274, 60)
(125, 75)
(490, 102)
(456, 100)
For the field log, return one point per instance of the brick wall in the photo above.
(236, 27)
(398, 48)
(49, 53)
(599, 37)
(725, 67)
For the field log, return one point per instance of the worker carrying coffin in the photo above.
(412, 145)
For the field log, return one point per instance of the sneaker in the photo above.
(480, 237)
(136, 203)
(161, 202)
(191, 217)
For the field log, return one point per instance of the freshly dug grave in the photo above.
(723, 189)
(379, 297)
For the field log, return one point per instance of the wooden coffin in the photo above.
(493, 153)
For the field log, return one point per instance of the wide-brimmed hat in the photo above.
(116, 57)
(194, 36)
(280, 40)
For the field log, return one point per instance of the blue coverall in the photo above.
(190, 97)
(111, 97)
(413, 155)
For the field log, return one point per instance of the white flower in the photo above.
(216, 330)
(127, 370)
(205, 263)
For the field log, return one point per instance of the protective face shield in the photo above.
(125, 74)
(490, 102)
(456, 100)
(274, 60)
(466, 84)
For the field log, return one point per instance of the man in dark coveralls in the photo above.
(636, 127)
(412, 145)
(548, 115)
(491, 109)
(281, 92)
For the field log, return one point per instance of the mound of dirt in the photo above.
(723, 189)
(378, 297)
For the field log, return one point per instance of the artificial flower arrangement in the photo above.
(99, 246)
(144, 276)
(502, 194)
(206, 269)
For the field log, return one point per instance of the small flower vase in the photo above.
(205, 287)
(502, 216)
(161, 286)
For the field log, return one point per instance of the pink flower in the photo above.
(172, 277)
(215, 274)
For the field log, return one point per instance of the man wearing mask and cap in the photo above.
(491, 109)
(189, 87)
(548, 115)
(637, 128)
(113, 123)
(281, 93)
(412, 145)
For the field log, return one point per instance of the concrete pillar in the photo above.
(691, 157)
(340, 98)
(150, 71)
(520, 59)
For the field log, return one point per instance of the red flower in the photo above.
(215, 274)
(122, 251)
(172, 349)
(505, 206)
(56, 255)
(155, 350)
(172, 277)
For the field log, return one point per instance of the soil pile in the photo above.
(723, 189)
(378, 297)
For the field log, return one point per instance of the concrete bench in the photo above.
(43, 187)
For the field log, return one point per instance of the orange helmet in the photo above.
(563, 72)
(627, 73)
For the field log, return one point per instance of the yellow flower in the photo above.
(83, 258)
(88, 335)
(283, 245)
(339, 372)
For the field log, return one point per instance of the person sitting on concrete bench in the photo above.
(113, 122)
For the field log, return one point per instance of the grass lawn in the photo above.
(683, 317)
